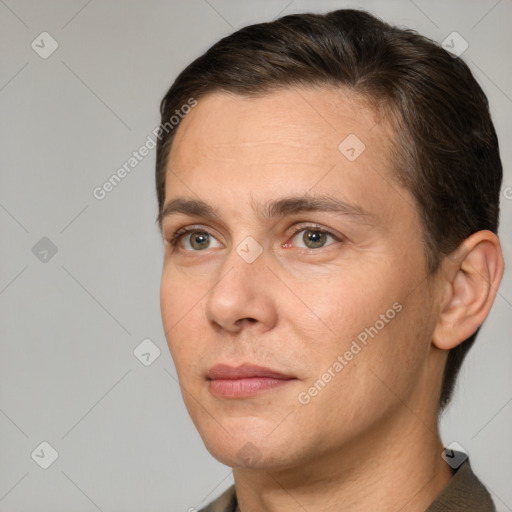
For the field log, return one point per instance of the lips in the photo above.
(244, 381)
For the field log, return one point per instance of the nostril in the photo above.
(248, 319)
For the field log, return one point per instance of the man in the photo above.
(328, 190)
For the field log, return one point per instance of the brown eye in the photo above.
(314, 239)
(194, 240)
(199, 240)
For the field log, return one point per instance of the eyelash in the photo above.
(314, 227)
(176, 237)
(173, 241)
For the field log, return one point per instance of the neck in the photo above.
(396, 466)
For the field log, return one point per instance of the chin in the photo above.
(249, 456)
(247, 451)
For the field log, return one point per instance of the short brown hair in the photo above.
(446, 149)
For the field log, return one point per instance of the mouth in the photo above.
(244, 381)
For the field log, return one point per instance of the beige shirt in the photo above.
(464, 493)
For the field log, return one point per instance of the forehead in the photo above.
(230, 148)
(305, 124)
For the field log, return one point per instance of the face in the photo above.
(293, 288)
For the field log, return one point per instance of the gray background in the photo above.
(69, 324)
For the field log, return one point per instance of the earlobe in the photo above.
(473, 274)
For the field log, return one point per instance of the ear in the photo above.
(471, 276)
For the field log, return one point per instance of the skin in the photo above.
(368, 439)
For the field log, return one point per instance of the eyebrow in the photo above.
(270, 209)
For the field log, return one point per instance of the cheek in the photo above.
(180, 304)
(346, 306)
(373, 312)
(398, 343)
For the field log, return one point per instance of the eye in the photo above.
(312, 238)
(194, 240)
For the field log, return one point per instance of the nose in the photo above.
(243, 297)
